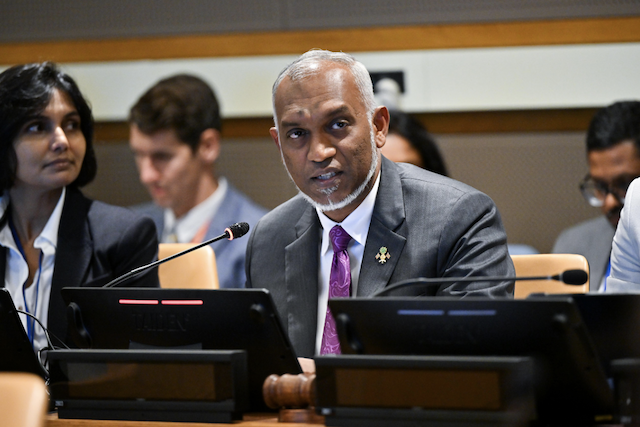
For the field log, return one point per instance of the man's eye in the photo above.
(295, 134)
(339, 124)
(161, 157)
(623, 184)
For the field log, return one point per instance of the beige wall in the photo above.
(532, 177)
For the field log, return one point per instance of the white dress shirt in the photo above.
(625, 253)
(35, 298)
(185, 229)
(357, 226)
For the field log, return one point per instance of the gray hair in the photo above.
(305, 66)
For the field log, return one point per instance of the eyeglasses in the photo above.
(595, 191)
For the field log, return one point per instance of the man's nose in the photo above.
(148, 173)
(610, 202)
(321, 148)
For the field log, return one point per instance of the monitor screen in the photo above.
(569, 378)
(16, 351)
(221, 319)
(613, 322)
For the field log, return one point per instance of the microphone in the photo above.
(569, 277)
(234, 231)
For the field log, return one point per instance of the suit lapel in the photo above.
(301, 276)
(386, 230)
(73, 255)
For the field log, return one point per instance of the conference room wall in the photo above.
(533, 177)
(535, 206)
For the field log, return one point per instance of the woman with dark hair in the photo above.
(408, 141)
(51, 236)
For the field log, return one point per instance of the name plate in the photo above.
(149, 385)
(429, 390)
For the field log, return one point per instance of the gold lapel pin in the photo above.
(383, 255)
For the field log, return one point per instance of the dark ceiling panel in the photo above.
(38, 20)
(338, 13)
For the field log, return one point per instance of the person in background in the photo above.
(360, 222)
(613, 156)
(175, 138)
(625, 253)
(409, 141)
(51, 236)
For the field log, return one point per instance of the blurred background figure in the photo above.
(51, 235)
(613, 155)
(409, 141)
(175, 138)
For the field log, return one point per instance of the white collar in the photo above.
(49, 233)
(356, 223)
(187, 226)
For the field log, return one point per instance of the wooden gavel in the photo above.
(294, 396)
(290, 391)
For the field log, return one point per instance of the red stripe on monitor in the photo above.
(139, 301)
(182, 302)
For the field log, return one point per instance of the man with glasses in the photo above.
(613, 155)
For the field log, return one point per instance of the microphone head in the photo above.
(574, 277)
(238, 229)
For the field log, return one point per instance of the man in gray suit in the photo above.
(613, 154)
(404, 222)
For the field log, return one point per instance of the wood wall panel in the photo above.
(475, 122)
(412, 37)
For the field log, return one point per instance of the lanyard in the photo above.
(31, 323)
(199, 237)
(607, 273)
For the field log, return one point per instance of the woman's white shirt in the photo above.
(36, 296)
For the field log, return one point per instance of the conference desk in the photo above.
(250, 420)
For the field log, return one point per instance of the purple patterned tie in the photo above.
(339, 286)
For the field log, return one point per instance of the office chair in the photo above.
(23, 401)
(195, 270)
(544, 265)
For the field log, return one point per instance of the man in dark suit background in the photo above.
(613, 155)
(404, 222)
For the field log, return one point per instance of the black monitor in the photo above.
(221, 319)
(16, 351)
(570, 384)
(613, 322)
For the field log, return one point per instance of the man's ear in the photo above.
(274, 135)
(209, 147)
(381, 125)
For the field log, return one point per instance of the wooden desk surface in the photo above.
(251, 420)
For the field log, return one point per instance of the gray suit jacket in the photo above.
(235, 207)
(592, 239)
(96, 243)
(432, 226)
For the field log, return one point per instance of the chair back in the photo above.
(548, 265)
(195, 270)
(23, 400)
